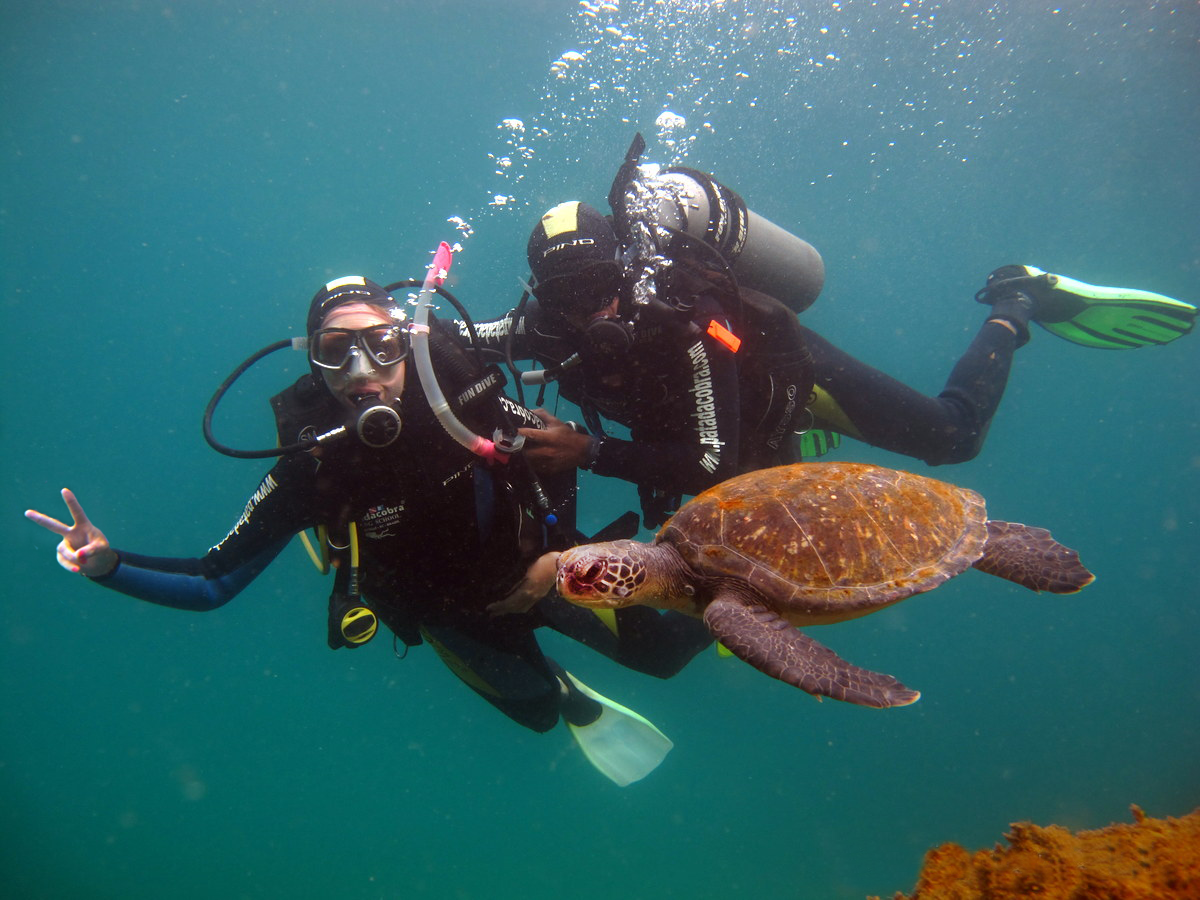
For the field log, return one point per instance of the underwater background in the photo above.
(179, 178)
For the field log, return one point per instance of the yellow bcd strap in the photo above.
(319, 559)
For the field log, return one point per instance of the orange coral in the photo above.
(1153, 859)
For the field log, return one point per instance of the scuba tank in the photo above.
(679, 200)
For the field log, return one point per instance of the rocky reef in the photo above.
(1151, 859)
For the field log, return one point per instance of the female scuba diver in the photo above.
(432, 533)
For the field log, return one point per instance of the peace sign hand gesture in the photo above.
(94, 557)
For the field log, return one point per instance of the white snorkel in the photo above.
(419, 330)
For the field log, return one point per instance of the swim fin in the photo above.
(1108, 318)
(817, 442)
(623, 745)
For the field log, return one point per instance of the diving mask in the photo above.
(335, 348)
(581, 293)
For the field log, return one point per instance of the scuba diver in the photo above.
(676, 318)
(427, 525)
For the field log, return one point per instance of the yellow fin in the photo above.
(609, 618)
(826, 410)
(623, 745)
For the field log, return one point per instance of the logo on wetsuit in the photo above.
(377, 522)
(268, 484)
(706, 407)
(492, 331)
(785, 420)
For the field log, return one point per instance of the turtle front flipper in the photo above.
(774, 646)
(1032, 558)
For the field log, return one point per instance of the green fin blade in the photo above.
(817, 442)
(1126, 324)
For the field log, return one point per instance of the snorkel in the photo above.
(505, 445)
(419, 330)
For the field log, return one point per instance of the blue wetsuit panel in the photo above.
(182, 583)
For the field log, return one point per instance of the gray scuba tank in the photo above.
(762, 255)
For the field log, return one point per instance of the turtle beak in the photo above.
(593, 575)
(582, 579)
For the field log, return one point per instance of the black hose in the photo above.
(216, 398)
(508, 344)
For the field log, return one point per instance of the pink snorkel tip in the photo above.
(442, 258)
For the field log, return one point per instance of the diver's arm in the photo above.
(493, 333)
(184, 583)
(690, 461)
(534, 335)
(267, 521)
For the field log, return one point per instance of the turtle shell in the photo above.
(829, 541)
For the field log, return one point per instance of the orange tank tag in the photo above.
(724, 335)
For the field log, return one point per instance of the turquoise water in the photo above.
(178, 180)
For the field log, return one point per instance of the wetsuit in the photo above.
(441, 535)
(854, 399)
(698, 412)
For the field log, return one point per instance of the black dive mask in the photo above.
(608, 339)
(582, 293)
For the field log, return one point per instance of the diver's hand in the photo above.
(533, 587)
(555, 448)
(84, 548)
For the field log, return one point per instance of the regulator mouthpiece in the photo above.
(376, 424)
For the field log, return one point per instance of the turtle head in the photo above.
(613, 575)
(602, 576)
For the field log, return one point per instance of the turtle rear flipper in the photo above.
(774, 646)
(1032, 558)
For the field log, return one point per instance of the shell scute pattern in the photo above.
(809, 537)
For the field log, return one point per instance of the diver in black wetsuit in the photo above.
(667, 322)
(712, 379)
(438, 532)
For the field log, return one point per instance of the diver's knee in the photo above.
(957, 453)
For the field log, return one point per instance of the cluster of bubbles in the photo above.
(514, 160)
(713, 70)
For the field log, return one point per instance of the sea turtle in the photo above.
(809, 544)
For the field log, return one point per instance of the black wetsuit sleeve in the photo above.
(878, 409)
(533, 334)
(275, 511)
(688, 440)
(493, 334)
(682, 440)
